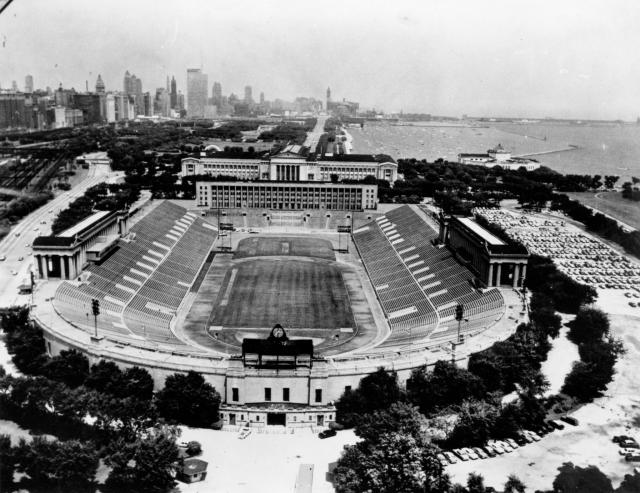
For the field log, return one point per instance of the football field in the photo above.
(297, 293)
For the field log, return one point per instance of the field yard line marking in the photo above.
(227, 292)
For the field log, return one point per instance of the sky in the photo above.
(560, 58)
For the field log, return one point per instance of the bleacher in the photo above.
(142, 284)
(419, 284)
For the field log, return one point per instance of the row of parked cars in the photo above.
(629, 447)
(499, 447)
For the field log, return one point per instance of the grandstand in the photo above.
(142, 284)
(419, 284)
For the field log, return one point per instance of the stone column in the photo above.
(524, 272)
(490, 283)
(516, 275)
(499, 275)
(63, 268)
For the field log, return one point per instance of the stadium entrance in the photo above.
(277, 419)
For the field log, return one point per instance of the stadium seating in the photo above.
(419, 284)
(142, 284)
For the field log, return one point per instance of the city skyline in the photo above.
(533, 59)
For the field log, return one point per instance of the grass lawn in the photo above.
(613, 204)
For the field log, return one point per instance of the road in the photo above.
(314, 136)
(17, 243)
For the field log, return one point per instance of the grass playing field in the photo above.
(294, 293)
(287, 245)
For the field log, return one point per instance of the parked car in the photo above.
(629, 443)
(512, 442)
(619, 438)
(327, 433)
(460, 453)
(3, 258)
(13, 272)
(571, 420)
(471, 454)
(556, 424)
(633, 457)
(626, 451)
(480, 453)
(20, 259)
(451, 457)
(523, 440)
(489, 451)
(443, 460)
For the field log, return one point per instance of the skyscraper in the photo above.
(217, 93)
(14, 86)
(196, 93)
(174, 94)
(110, 109)
(127, 88)
(28, 84)
(100, 85)
(248, 98)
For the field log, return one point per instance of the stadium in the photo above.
(280, 310)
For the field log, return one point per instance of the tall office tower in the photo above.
(196, 93)
(12, 111)
(14, 86)
(180, 102)
(248, 98)
(328, 97)
(261, 98)
(110, 111)
(127, 88)
(168, 87)
(28, 84)
(174, 94)
(100, 85)
(148, 104)
(217, 93)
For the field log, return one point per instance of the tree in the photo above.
(7, 465)
(399, 418)
(24, 340)
(146, 464)
(137, 382)
(630, 483)
(377, 390)
(69, 465)
(189, 400)
(69, 367)
(589, 325)
(514, 485)
(443, 386)
(193, 448)
(575, 479)
(105, 376)
(475, 483)
(544, 316)
(475, 425)
(394, 462)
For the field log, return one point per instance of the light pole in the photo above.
(459, 317)
(95, 309)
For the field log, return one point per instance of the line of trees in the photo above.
(598, 223)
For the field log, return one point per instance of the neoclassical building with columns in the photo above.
(495, 261)
(293, 164)
(63, 256)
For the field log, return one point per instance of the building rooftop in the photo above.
(480, 231)
(84, 224)
(194, 466)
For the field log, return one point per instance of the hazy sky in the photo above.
(578, 59)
